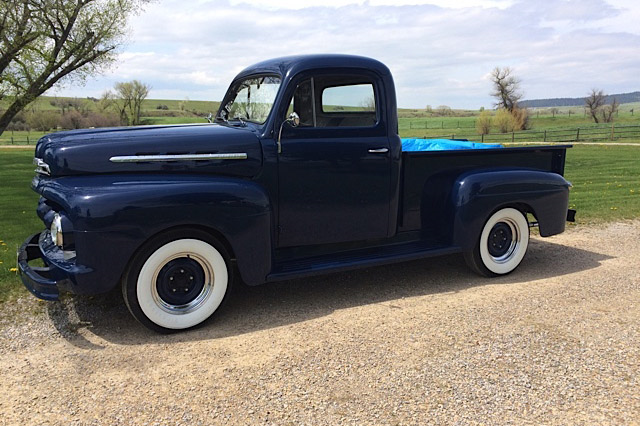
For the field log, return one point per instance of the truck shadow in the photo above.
(251, 309)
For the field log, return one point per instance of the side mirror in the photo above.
(294, 121)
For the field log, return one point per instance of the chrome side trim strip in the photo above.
(41, 167)
(178, 157)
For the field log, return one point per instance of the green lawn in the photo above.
(18, 219)
(606, 182)
(606, 188)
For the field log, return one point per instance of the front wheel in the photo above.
(502, 244)
(176, 281)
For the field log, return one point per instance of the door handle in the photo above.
(379, 151)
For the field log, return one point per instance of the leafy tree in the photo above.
(131, 94)
(45, 42)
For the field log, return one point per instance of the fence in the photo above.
(581, 134)
(565, 135)
(19, 140)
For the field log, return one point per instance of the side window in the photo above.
(353, 98)
(347, 105)
(302, 103)
(335, 101)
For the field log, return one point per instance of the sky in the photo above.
(441, 52)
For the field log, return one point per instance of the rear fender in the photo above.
(477, 195)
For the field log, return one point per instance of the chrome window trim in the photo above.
(178, 157)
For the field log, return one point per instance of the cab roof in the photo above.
(291, 65)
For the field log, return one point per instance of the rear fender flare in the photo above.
(477, 195)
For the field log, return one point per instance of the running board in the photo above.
(355, 259)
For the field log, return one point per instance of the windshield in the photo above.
(251, 100)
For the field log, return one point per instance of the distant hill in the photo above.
(623, 98)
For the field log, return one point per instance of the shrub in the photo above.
(504, 121)
(520, 118)
(43, 121)
(72, 120)
(483, 123)
(96, 119)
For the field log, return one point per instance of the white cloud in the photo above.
(439, 51)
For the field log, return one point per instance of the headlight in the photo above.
(56, 230)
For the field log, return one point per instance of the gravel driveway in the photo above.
(424, 342)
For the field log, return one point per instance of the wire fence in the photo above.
(18, 140)
(580, 134)
(587, 134)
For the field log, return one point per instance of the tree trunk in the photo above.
(18, 105)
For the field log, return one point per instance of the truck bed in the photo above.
(430, 171)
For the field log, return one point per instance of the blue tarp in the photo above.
(443, 145)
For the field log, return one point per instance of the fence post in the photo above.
(442, 123)
(27, 139)
(545, 136)
(453, 136)
(578, 135)
(482, 138)
(513, 137)
(612, 131)
(11, 140)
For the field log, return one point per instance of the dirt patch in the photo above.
(424, 342)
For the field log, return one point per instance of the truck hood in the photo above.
(207, 148)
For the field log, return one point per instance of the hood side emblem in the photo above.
(178, 157)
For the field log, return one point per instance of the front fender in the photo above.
(476, 195)
(113, 216)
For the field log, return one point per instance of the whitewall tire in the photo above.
(175, 283)
(502, 244)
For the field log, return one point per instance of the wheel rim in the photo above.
(182, 284)
(503, 241)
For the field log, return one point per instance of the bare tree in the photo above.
(608, 111)
(596, 104)
(44, 42)
(131, 95)
(506, 88)
(554, 111)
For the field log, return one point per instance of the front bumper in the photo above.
(57, 274)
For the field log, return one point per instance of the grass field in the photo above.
(606, 183)
(413, 123)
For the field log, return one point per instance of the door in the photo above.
(334, 168)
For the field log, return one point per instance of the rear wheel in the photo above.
(177, 281)
(502, 244)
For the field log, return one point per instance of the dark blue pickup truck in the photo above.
(302, 173)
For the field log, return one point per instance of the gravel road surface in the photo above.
(425, 342)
